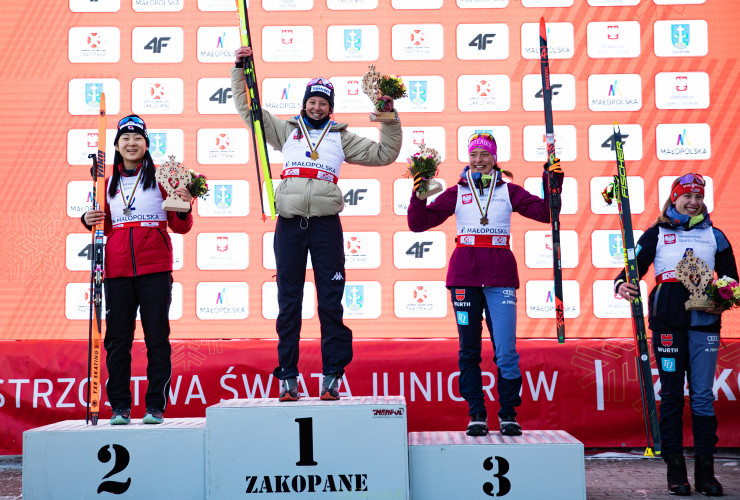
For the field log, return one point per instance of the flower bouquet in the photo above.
(725, 293)
(423, 166)
(382, 90)
(198, 185)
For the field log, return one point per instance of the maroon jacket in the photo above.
(476, 266)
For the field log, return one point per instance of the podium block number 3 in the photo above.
(121, 462)
(305, 442)
(504, 485)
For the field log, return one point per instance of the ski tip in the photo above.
(102, 103)
(543, 31)
(616, 126)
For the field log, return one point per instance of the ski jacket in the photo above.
(478, 266)
(133, 251)
(666, 309)
(308, 197)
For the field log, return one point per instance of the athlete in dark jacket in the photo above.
(138, 270)
(685, 342)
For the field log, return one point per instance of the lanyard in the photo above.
(484, 213)
(127, 202)
(313, 148)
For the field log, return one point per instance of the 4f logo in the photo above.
(553, 90)
(156, 44)
(419, 248)
(221, 96)
(502, 467)
(354, 195)
(609, 142)
(482, 40)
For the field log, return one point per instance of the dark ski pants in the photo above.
(687, 355)
(152, 295)
(499, 304)
(323, 237)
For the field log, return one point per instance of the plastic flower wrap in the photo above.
(198, 185)
(725, 292)
(390, 88)
(425, 162)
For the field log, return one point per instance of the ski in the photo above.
(620, 192)
(96, 275)
(258, 133)
(555, 188)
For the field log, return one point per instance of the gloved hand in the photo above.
(555, 167)
(417, 181)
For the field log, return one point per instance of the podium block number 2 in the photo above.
(121, 462)
(305, 442)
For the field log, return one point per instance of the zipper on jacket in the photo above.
(131, 241)
(164, 238)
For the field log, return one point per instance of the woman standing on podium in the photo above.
(685, 342)
(138, 270)
(308, 203)
(482, 275)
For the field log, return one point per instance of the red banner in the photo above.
(586, 387)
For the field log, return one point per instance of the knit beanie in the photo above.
(131, 124)
(319, 87)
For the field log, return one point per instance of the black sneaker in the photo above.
(478, 425)
(121, 416)
(330, 387)
(289, 391)
(509, 425)
(153, 416)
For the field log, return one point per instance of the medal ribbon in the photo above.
(127, 203)
(313, 148)
(494, 179)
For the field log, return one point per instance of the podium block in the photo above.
(537, 464)
(352, 448)
(73, 460)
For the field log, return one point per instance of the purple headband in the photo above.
(482, 142)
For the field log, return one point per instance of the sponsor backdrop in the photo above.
(655, 66)
(663, 69)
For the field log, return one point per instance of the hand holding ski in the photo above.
(258, 133)
(554, 184)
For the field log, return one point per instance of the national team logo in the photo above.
(680, 35)
(92, 140)
(353, 87)
(666, 339)
(92, 93)
(615, 245)
(157, 91)
(419, 295)
(417, 137)
(612, 32)
(94, 40)
(669, 239)
(222, 142)
(682, 83)
(354, 297)
(418, 91)
(352, 40)
(223, 195)
(158, 143)
(462, 317)
(222, 243)
(467, 198)
(483, 88)
(353, 245)
(286, 37)
(459, 294)
(416, 37)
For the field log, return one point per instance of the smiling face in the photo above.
(481, 161)
(317, 108)
(132, 147)
(691, 204)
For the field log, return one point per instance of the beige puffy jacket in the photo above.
(304, 197)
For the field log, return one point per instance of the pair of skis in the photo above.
(618, 190)
(96, 275)
(258, 132)
(554, 187)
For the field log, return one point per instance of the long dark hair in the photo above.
(147, 174)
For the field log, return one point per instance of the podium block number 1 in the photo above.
(305, 442)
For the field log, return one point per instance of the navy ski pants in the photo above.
(499, 304)
(152, 295)
(687, 355)
(323, 237)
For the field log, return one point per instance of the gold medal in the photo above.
(484, 221)
(314, 155)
